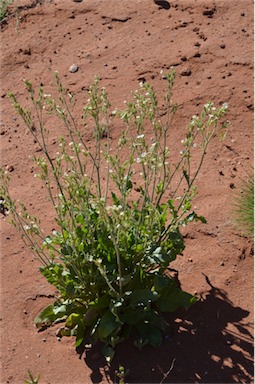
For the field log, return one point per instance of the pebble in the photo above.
(223, 46)
(222, 263)
(209, 12)
(10, 168)
(190, 259)
(186, 72)
(73, 68)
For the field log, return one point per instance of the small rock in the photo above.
(186, 72)
(222, 263)
(242, 14)
(223, 46)
(27, 51)
(190, 260)
(197, 54)
(209, 12)
(73, 68)
(10, 168)
(77, 1)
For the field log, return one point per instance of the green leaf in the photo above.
(79, 335)
(132, 317)
(90, 316)
(161, 281)
(129, 185)
(70, 290)
(186, 176)
(108, 353)
(194, 217)
(115, 198)
(107, 325)
(59, 310)
(150, 333)
(142, 297)
(74, 319)
(46, 316)
(173, 298)
(156, 257)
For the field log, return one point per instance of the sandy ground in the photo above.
(124, 42)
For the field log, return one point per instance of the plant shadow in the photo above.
(209, 343)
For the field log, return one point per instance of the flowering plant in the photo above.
(119, 209)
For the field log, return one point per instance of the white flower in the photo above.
(225, 105)
(140, 136)
(26, 227)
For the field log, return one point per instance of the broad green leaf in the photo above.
(161, 281)
(74, 319)
(150, 333)
(107, 325)
(132, 317)
(46, 316)
(59, 310)
(142, 297)
(90, 316)
(173, 298)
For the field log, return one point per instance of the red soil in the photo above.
(124, 42)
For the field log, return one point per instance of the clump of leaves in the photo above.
(244, 207)
(32, 379)
(119, 209)
(3, 8)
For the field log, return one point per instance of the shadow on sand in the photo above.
(209, 343)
